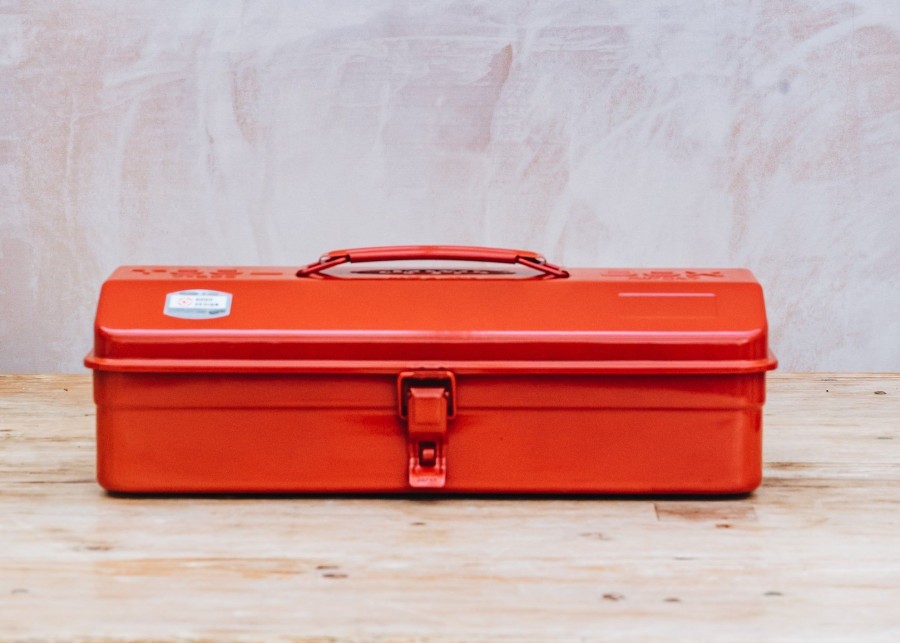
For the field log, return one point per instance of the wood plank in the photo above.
(813, 554)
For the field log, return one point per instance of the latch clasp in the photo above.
(427, 400)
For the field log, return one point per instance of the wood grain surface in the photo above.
(813, 554)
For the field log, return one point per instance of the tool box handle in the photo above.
(444, 253)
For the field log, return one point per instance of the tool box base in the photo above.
(278, 433)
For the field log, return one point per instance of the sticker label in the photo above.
(197, 304)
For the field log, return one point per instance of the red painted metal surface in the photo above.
(530, 379)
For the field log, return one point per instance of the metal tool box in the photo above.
(496, 373)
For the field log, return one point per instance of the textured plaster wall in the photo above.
(661, 133)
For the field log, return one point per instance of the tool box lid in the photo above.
(338, 314)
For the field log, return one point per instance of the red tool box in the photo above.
(510, 375)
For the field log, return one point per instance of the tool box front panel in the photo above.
(331, 433)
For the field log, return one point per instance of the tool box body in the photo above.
(430, 379)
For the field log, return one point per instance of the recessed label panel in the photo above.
(667, 304)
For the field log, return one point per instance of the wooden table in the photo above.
(815, 553)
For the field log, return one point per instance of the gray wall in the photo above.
(757, 134)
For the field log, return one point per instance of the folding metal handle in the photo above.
(446, 253)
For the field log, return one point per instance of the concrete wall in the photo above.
(659, 133)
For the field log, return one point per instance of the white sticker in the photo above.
(197, 304)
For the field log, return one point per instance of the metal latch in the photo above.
(426, 400)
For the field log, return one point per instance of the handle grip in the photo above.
(446, 253)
